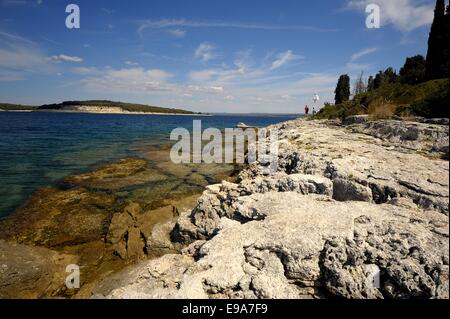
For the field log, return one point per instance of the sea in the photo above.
(38, 149)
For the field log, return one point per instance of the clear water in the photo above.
(39, 149)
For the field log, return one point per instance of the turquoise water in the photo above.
(39, 149)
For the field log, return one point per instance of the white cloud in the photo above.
(65, 58)
(140, 80)
(217, 88)
(405, 15)
(133, 79)
(131, 63)
(177, 33)
(360, 54)
(284, 58)
(205, 52)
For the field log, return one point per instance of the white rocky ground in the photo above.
(347, 201)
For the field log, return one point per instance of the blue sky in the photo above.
(201, 55)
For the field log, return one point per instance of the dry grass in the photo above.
(381, 109)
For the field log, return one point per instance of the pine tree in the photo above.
(342, 92)
(437, 56)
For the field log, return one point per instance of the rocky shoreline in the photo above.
(347, 198)
(102, 220)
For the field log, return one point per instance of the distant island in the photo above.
(95, 106)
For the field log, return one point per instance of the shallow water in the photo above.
(39, 149)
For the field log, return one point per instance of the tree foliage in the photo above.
(437, 57)
(385, 77)
(342, 92)
(413, 72)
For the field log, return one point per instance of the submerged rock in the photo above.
(113, 176)
(32, 272)
(57, 218)
(93, 217)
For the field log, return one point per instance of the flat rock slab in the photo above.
(282, 255)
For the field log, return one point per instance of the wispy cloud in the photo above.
(245, 73)
(131, 63)
(183, 23)
(21, 2)
(205, 52)
(354, 65)
(177, 33)
(360, 54)
(65, 58)
(14, 2)
(107, 11)
(20, 57)
(405, 15)
(284, 58)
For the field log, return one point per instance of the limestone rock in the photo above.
(348, 202)
(295, 245)
(345, 190)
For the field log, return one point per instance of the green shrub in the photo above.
(427, 99)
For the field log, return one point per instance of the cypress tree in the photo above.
(437, 56)
(446, 57)
(342, 92)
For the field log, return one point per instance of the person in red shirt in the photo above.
(306, 109)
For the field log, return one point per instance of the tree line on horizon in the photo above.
(416, 69)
